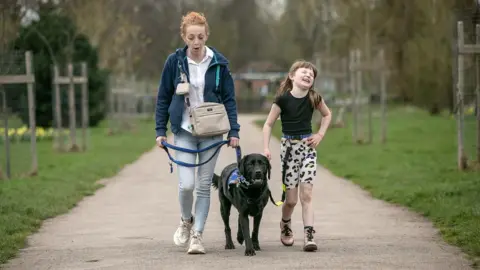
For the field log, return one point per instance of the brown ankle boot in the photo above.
(286, 234)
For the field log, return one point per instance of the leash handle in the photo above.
(238, 151)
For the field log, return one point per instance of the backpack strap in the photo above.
(217, 79)
(183, 76)
(217, 82)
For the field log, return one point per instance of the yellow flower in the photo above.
(22, 130)
(470, 110)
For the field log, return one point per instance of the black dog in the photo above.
(249, 196)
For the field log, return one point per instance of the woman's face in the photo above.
(195, 37)
(303, 78)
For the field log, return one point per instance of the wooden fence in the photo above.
(10, 76)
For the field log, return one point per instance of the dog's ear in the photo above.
(269, 167)
(241, 166)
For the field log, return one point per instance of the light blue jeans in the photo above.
(186, 176)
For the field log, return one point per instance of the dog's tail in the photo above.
(215, 180)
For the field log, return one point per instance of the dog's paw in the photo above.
(240, 238)
(250, 252)
(256, 246)
(229, 245)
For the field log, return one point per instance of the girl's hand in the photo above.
(314, 140)
(266, 152)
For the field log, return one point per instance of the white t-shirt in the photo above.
(197, 84)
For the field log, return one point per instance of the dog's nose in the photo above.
(258, 174)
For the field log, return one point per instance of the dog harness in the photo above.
(235, 177)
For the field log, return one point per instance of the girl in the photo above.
(199, 63)
(295, 103)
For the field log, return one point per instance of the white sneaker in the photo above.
(182, 234)
(196, 245)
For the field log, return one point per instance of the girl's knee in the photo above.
(291, 201)
(291, 197)
(306, 196)
(306, 191)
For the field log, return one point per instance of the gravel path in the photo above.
(129, 224)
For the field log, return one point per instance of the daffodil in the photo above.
(470, 111)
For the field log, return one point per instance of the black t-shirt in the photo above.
(296, 115)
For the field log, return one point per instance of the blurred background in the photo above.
(133, 38)
(403, 88)
(368, 52)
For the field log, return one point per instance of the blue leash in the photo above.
(181, 163)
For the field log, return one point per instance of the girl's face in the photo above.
(303, 78)
(195, 37)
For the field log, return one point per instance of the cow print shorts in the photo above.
(301, 167)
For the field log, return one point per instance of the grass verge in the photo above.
(63, 180)
(416, 168)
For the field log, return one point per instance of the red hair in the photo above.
(193, 18)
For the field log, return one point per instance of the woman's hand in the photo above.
(159, 141)
(234, 142)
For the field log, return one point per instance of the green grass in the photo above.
(20, 155)
(416, 168)
(63, 180)
(20, 158)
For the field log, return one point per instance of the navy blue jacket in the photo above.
(170, 106)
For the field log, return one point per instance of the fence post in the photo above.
(58, 110)
(383, 97)
(85, 112)
(7, 139)
(461, 158)
(359, 91)
(477, 89)
(31, 113)
(71, 108)
(353, 89)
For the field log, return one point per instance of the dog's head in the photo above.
(256, 169)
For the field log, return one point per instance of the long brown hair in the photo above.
(287, 85)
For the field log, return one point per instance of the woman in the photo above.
(199, 63)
